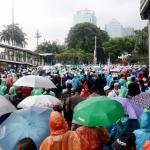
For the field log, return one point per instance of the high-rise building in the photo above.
(128, 31)
(84, 16)
(114, 29)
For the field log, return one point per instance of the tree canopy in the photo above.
(75, 56)
(82, 36)
(14, 35)
(50, 47)
(136, 45)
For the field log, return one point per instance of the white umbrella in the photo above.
(59, 65)
(44, 101)
(35, 81)
(6, 106)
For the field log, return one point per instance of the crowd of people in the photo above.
(75, 86)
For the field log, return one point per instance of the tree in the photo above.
(13, 34)
(48, 47)
(116, 46)
(136, 45)
(142, 40)
(82, 36)
(75, 56)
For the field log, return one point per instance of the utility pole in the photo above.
(37, 36)
(13, 36)
(95, 52)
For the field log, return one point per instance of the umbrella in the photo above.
(5, 106)
(98, 111)
(59, 65)
(31, 122)
(130, 109)
(35, 81)
(142, 99)
(45, 101)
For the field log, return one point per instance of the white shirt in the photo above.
(112, 93)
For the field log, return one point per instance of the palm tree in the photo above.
(13, 34)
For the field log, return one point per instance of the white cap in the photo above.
(106, 88)
(116, 84)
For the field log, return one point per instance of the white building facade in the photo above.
(114, 29)
(84, 16)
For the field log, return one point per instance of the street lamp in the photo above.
(13, 23)
(95, 52)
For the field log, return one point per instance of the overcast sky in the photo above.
(53, 18)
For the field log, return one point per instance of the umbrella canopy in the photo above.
(59, 65)
(6, 106)
(98, 111)
(44, 101)
(35, 81)
(32, 122)
(142, 99)
(130, 109)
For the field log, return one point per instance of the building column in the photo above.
(149, 42)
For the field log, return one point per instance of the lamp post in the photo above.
(13, 21)
(95, 52)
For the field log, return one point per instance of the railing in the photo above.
(19, 55)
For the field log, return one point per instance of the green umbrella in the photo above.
(98, 111)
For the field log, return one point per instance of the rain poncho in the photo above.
(95, 137)
(3, 87)
(76, 82)
(58, 127)
(36, 91)
(61, 138)
(146, 145)
(12, 91)
(123, 92)
(143, 134)
(109, 79)
(128, 81)
(9, 81)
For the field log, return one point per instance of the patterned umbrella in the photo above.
(142, 99)
(130, 109)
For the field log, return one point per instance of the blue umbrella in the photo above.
(31, 122)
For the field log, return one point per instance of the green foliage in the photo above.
(75, 56)
(13, 34)
(116, 46)
(48, 47)
(142, 41)
(82, 36)
(136, 45)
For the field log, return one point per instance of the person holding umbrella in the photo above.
(94, 114)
